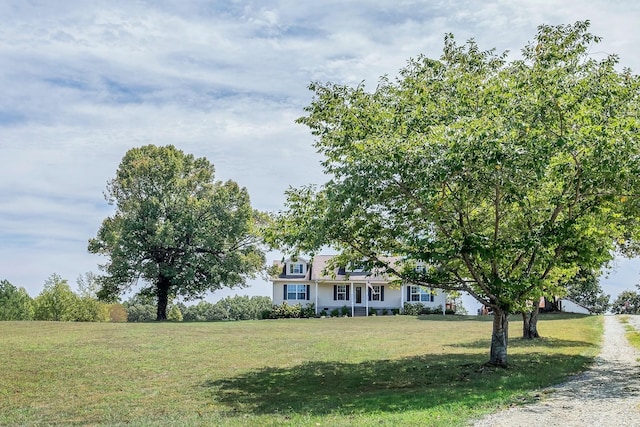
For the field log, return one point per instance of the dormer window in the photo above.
(355, 268)
(421, 267)
(296, 268)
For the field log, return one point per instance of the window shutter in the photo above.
(381, 293)
(285, 292)
(408, 293)
(348, 292)
(369, 289)
(308, 291)
(335, 292)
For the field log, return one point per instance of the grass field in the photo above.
(633, 335)
(379, 371)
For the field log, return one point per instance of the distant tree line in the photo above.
(628, 302)
(141, 309)
(58, 302)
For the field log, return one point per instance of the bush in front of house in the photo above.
(287, 311)
(419, 309)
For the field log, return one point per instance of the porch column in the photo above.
(402, 299)
(366, 299)
(316, 297)
(444, 303)
(353, 309)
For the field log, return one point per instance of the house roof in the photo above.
(316, 271)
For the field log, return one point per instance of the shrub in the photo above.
(335, 312)
(324, 313)
(239, 307)
(285, 311)
(413, 309)
(200, 312)
(344, 310)
(308, 311)
(87, 309)
(141, 312)
(419, 309)
(242, 307)
(174, 315)
(395, 311)
(117, 313)
(425, 310)
(372, 311)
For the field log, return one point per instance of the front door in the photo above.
(358, 294)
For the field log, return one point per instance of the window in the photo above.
(356, 268)
(340, 292)
(421, 268)
(376, 293)
(419, 293)
(296, 292)
(296, 268)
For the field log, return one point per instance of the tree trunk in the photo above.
(163, 298)
(525, 324)
(499, 338)
(530, 324)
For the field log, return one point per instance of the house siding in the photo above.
(393, 297)
(322, 287)
(569, 306)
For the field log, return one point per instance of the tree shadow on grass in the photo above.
(515, 318)
(525, 343)
(414, 383)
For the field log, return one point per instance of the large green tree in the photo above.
(503, 177)
(176, 231)
(56, 302)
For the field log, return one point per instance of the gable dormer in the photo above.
(353, 269)
(295, 268)
(421, 267)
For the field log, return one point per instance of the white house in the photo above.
(565, 305)
(301, 281)
(568, 306)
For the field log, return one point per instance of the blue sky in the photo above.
(83, 82)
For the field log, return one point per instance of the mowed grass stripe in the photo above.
(340, 371)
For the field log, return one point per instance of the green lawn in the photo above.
(632, 335)
(380, 371)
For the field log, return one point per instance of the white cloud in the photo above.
(83, 82)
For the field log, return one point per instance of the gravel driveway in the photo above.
(606, 395)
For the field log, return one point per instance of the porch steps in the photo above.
(359, 311)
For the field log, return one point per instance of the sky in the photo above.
(83, 82)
